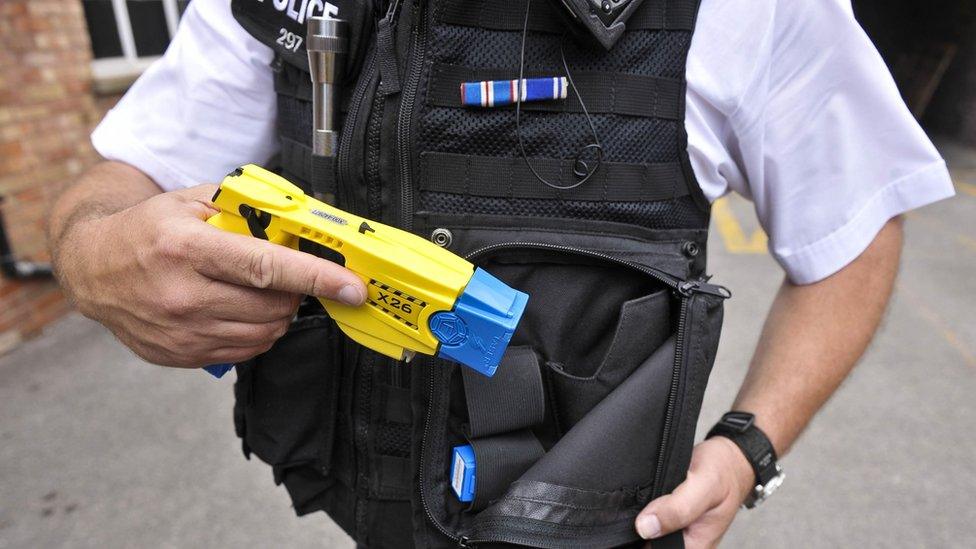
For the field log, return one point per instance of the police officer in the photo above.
(788, 104)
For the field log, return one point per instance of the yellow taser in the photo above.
(420, 297)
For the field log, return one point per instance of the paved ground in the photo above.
(99, 450)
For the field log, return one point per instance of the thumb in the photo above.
(197, 199)
(675, 511)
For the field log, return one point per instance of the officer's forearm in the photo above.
(106, 188)
(813, 337)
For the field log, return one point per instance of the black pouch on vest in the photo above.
(286, 406)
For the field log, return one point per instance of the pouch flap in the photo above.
(616, 444)
(644, 325)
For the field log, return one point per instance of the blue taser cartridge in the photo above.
(498, 93)
(462, 472)
(477, 331)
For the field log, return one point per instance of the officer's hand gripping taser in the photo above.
(421, 298)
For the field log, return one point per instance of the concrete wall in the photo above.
(47, 111)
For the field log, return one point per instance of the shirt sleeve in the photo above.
(206, 107)
(819, 139)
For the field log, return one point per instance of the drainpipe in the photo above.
(10, 267)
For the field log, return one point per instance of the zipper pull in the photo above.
(386, 51)
(690, 287)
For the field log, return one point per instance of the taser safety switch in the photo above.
(420, 298)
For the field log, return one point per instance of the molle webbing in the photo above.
(509, 16)
(511, 178)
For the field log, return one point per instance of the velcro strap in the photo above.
(500, 461)
(510, 177)
(544, 17)
(603, 92)
(392, 477)
(511, 399)
(318, 172)
(291, 82)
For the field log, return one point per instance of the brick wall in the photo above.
(47, 111)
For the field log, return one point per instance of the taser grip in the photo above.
(412, 284)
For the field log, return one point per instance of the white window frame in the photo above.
(114, 74)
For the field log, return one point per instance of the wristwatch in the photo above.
(740, 428)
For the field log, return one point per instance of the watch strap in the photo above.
(741, 429)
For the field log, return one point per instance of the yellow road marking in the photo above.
(965, 180)
(732, 234)
(967, 188)
(933, 318)
(967, 241)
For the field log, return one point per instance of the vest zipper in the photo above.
(405, 116)
(374, 197)
(676, 372)
(684, 288)
(343, 173)
(365, 363)
(429, 362)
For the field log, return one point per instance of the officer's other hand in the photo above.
(180, 292)
(706, 502)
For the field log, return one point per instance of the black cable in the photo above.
(585, 173)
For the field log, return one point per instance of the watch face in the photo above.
(762, 492)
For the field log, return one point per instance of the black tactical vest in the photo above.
(592, 412)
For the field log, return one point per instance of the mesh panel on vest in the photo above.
(680, 213)
(562, 135)
(393, 439)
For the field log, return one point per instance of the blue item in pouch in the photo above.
(462, 472)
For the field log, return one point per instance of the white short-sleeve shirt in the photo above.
(788, 104)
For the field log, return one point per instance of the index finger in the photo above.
(257, 263)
